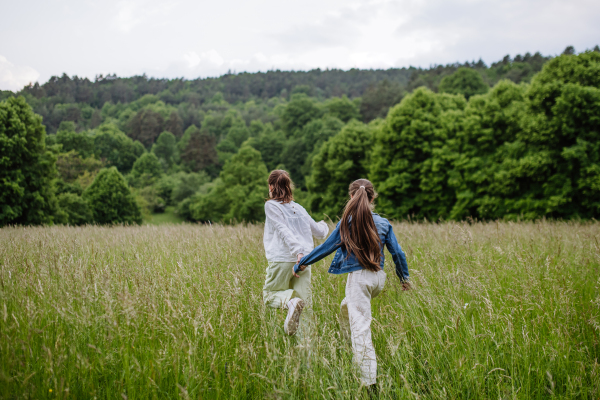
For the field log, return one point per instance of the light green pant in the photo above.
(281, 285)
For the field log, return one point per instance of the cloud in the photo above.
(210, 59)
(211, 64)
(15, 77)
(132, 13)
(191, 39)
(128, 16)
(337, 28)
(399, 33)
(468, 29)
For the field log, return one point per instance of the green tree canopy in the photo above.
(270, 143)
(413, 153)
(237, 134)
(165, 147)
(145, 126)
(71, 165)
(465, 81)
(198, 150)
(341, 160)
(300, 149)
(75, 209)
(82, 142)
(187, 184)
(27, 167)
(239, 193)
(378, 98)
(343, 108)
(489, 151)
(116, 148)
(110, 200)
(148, 164)
(298, 112)
(562, 137)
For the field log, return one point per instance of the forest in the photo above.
(516, 140)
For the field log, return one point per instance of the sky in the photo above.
(196, 38)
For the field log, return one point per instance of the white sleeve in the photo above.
(319, 229)
(274, 214)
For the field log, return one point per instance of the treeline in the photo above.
(452, 148)
(82, 101)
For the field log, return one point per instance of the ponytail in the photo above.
(357, 229)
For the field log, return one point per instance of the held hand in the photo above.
(301, 268)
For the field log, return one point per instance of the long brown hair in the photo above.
(282, 186)
(357, 228)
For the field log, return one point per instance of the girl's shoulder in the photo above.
(273, 202)
(297, 207)
(286, 207)
(382, 224)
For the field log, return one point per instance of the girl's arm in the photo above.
(332, 243)
(273, 213)
(318, 229)
(397, 254)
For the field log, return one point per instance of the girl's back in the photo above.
(289, 231)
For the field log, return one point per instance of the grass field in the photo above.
(498, 310)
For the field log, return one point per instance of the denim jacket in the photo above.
(343, 264)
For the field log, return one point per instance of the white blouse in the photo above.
(289, 231)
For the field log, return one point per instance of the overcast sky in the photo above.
(187, 38)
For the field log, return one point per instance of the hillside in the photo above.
(451, 142)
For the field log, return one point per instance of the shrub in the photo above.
(110, 199)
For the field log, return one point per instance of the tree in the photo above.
(71, 165)
(148, 164)
(145, 126)
(110, 199)
(270, 143)
(116, 148)
(198, 150)
(82, 143)
(185, 185)
(465, 81)
(27, 167)
(75, 208)
(483, 174)
(165, 147)
(239, 193)
(378, 98)
(174, 124)
(299, 111)
(413, 154)
(341, 160)
(237, 134)
(342, 108)
(562, 140)
(299, 150)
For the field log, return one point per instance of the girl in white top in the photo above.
(289, 232)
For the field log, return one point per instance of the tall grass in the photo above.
(498, 310)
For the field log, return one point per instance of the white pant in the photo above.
(355, 320)
(281, 285)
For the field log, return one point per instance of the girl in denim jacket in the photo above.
(358, 241)
(289, 232)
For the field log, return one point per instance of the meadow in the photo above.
(498, 310)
